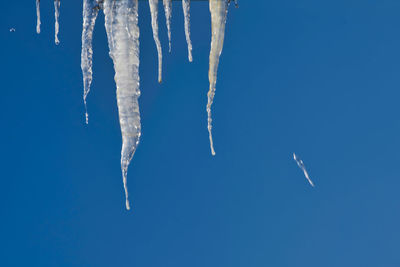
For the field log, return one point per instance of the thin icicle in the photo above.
(218, 10)
(56, 15)
(90, 11)
(303, 168)
(121, 22)
(38, 16)
(154, 24)
(168, 15)
(186, 14)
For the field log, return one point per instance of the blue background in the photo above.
(319, 78)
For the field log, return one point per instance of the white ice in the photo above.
(186, 14)
(154, 24)
(303, 168)
(90, 11)
(218, 10)
(168, 15)
(56, 16)
(121, 22)
(38, 16)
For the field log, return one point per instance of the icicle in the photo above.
(301, 165)
(56, 15)
(218, 10)
(90, 11)
(186, 14)
(154, 24)
(38, 16)
(168, 15)
(121, 22)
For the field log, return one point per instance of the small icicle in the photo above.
(301, 165)
(90, 11)
(38, 16)
(56, 15)
(218, 10)
(186, 14)
(121, 22)
(154, 24)
(168, 15)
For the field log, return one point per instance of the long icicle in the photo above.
(186, 14)
(154, 25)
(90, 11)
(56, 16)
(38, 16)
(218, 10)
(168, 14)
(121, 22)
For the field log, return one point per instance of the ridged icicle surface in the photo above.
(38, 16)
(154, 25)
(121, 22)
(56, 17)
(186, 14)
(90, 11)
(168, 14)
(218, 10)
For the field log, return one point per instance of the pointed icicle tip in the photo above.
(186, 14)
(56, 25)
(211, 144)
(89, 13)
(38, 16)
(124, 179)
(154, 24)
(218, 10)
(121, 22)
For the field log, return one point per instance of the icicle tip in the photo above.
(211, 140)
(212, 146)
(128, 207)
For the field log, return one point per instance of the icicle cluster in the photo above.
(121, 23)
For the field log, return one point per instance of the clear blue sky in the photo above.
(318, 78)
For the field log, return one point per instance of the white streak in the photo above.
(90, 12)
(154, 24)
(218, 10)
(303, 168)
(56, 16)
(168, 15)
(38, 16)
(186, 14)
(121, 22)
